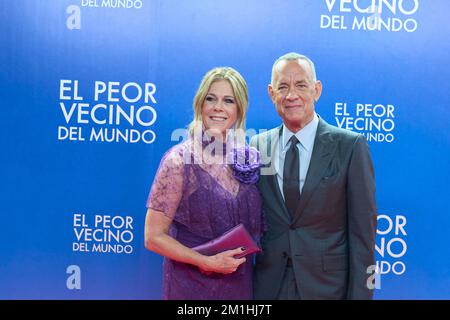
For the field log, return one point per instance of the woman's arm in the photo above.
(157, 239)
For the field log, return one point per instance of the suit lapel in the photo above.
(272, 141)
(323, 151)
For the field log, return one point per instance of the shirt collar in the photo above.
(306, 135)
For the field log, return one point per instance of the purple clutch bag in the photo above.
(234, 238)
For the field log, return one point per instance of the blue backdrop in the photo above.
(92, 90)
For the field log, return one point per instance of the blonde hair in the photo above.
(240, 91)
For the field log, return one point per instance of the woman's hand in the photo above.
(223, 262)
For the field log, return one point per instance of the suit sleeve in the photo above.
(253, 142)
(362, 219)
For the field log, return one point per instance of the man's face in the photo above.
(294, 92)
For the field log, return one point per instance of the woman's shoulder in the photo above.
(178, 154)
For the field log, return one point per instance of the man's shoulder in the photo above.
(337, 132)
(265, 133)
(263, 137)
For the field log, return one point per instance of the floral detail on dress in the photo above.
(245, 162)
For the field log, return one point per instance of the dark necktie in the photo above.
(291, 177)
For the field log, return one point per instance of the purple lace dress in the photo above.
(204, 200)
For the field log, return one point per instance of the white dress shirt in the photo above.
(306, 137)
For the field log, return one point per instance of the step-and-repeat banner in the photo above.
(92, 93)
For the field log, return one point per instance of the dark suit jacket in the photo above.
(331, 238)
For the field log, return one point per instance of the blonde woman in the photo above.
(200, 192)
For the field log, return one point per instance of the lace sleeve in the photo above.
(167, 188)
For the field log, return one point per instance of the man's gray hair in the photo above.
(293, 56)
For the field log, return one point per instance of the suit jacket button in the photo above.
(285, 254)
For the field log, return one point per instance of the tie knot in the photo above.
(293, 141)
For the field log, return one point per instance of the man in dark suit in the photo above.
(319, 197)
